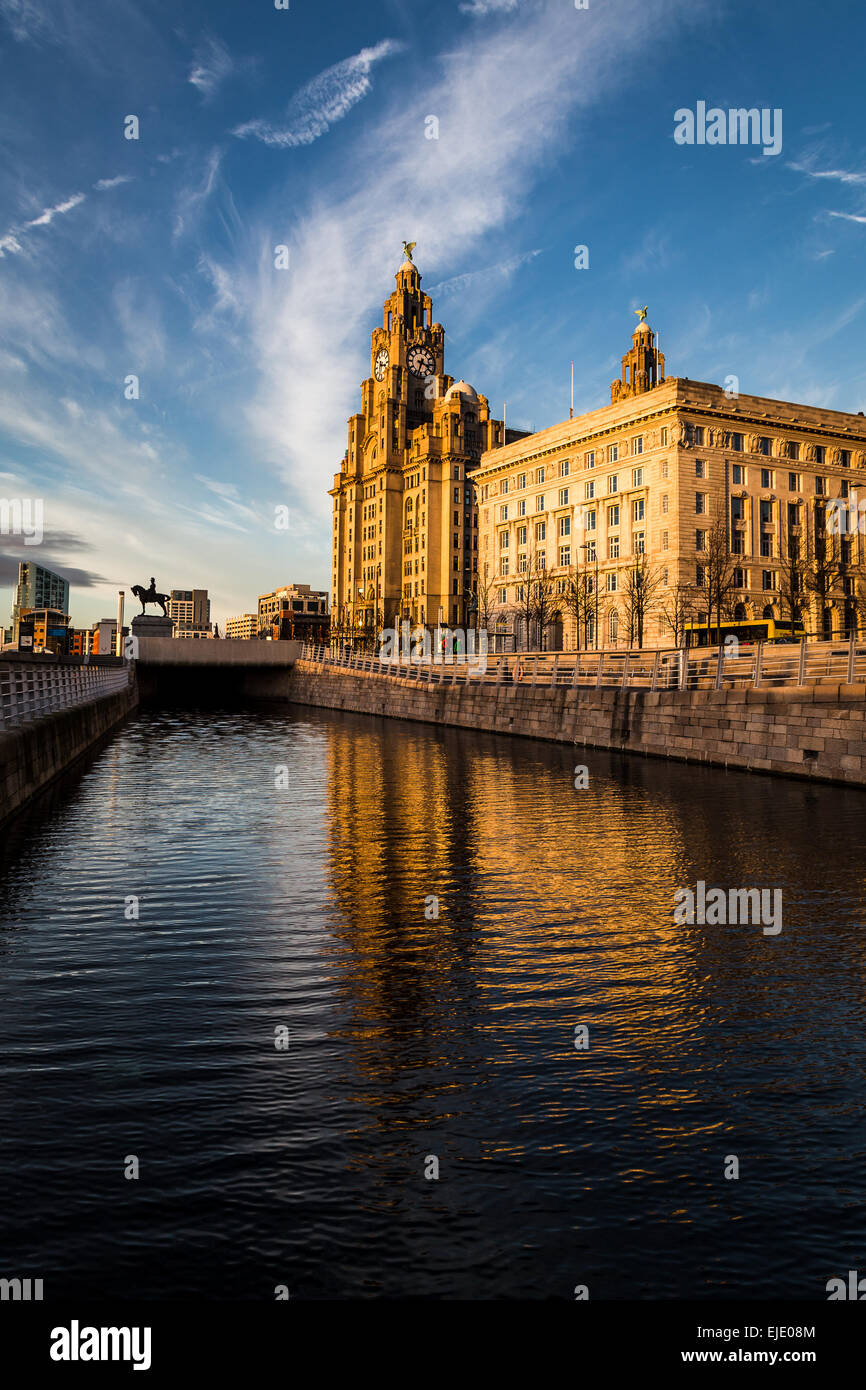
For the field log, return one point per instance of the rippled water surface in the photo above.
(309, 906)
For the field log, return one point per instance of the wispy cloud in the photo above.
(478, 279)
(848, 176)
(212, 64)
(324, 101)
(848, 216)
(191, 200)
(484, 7)
(11, 243)
(102, 185)
(26, 20)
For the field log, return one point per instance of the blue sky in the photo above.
(305, 127)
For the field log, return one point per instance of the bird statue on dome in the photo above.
(641, 313)
(408, 248)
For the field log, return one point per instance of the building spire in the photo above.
(643, 367)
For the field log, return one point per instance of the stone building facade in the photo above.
(629, 518)
(405, 538)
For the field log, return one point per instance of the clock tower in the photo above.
(405, 535)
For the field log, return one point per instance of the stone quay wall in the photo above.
(816, 731)
(32, 755)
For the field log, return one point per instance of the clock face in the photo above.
(382, 360)
(421, 361)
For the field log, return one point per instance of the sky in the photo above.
(308, 128)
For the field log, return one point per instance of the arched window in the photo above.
(740, 613)
(613, 626)
(768, 611)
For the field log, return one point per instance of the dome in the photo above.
(643, 327)
(461, 388)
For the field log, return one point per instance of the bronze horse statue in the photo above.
(150, 595)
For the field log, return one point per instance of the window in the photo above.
(793, 482)
(766, 477)
(700, 503)
(637, 477)
(637, 444)
(613, 547)
(663, 436)
(590, 554)
(613, 623)
(503, 564)
(563, 497)
(665, 577)
(504, 484)
(845, 458)
(766, 510)
(503, 595)
(503, 540)
(564, 556)
(700, 468)
(613, 453)
(738, 475)
(539, 502)
(521, 480)
(764, 445)
(521, 564)
(613, 483)
(737, 443)
(737, 505)
(589, 459)
(665, 504)
(589, 520)
(611, 584)
(503, 513)
(793, 449)
(767, 547)
(663, 472)
(820, 487)
(700, 576)
(521, 507)
(540, 531)
(637, 510)
(589, 490)
(521, 535)
(638, 544)
(739, 579)
(700, 540)
(457, 494)
(565, 526)
(539, 475)
(844, 486)
(819, 453)
(665, 545)
(613, 515)
(767, 579)
(564, 468)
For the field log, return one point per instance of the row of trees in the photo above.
(819, 569)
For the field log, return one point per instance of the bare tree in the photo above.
(677, 609)
(823, 571)
(543, 604)
(640, 596)
(719, 565)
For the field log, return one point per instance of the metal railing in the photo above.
(32, 691)
(758, 666)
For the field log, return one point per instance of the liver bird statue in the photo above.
(408, 248)
(641, 313)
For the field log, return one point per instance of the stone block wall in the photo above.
(33, 754)
(803, 731)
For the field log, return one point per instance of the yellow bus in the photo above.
(749, 630)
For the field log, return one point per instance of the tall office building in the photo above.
(294, 612)
(189, 610)
(38, 588)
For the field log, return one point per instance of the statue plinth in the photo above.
(152, 625)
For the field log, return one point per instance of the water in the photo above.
(410, 1038)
